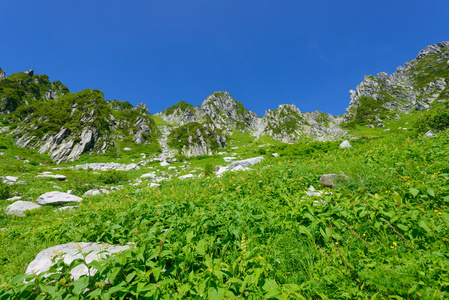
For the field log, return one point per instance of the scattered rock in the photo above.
(240, 168)
(93, 192)
(172, 168)
(312, 192)
(18, 208)
(429, 134)
(275, 155)
(59, 177)
(69, 252)
(164, 163)
(66, 208)
(148, 175)
(329, 180)
(186, 176)
(127, 149)
(15, 198)
(345, 144)
(132, 167)
(245, 163)
(56, 198)
(11, 178)
(155, 185)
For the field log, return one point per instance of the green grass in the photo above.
(253, 235)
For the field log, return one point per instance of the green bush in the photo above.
(113, 177)
(208, 169)
(436, 120)
(5, 191)
(34, 163)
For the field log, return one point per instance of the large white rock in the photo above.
(148, 175)
(11, 178)
(55, 198)
(93, 192)
(345, 144)
(69, 252)
(132, 167)
(245, 163)
(18, 208)
(59, 177)
(187, 176)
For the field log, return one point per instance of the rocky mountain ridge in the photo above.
(286, 123)
(416, 85)
(45, 116)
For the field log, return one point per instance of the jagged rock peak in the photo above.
(284, 107)
(142, 108)
(432, 49)
(30, 72)
(2, 73)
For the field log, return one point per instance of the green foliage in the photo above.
(257, 234)
(306, 149)
(368, 110)
(208, 169)
(5, 191)
(20, 88)
(190, 133)
(119, 105)
(113, 177)
(438, 119)
(181, 105)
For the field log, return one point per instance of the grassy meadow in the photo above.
(382, 234)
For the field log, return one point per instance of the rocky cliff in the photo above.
(416, 85)
(74, 124)
(285, 123)
(194, 139)
(219, 109)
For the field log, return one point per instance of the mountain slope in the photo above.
(80, 123)
(416, 85)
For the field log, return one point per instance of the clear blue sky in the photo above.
(265, 53)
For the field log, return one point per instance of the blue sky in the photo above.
(265, 53)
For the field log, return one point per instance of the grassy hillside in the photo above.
(383, 233)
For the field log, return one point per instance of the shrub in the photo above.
(437, 120)
(5, 191)
(208, 169)
(113, 177)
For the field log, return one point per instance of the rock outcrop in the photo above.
(220, 109)
(287, 124)
(416, 85)
(80, 123)
(194, 139)
(26, 88)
